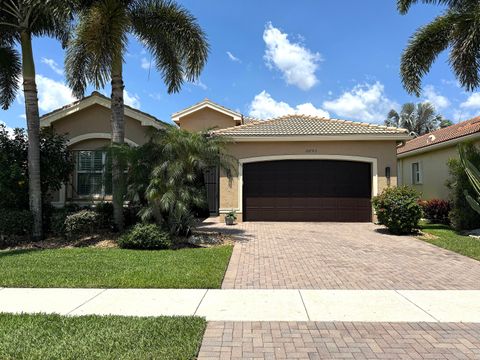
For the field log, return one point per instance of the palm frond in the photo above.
(404, 5)
(422, 50)
(10, 70)
(172, 35)
(100, 38)
(465, 48)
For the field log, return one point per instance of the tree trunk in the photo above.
(33, 130)
(118, 137)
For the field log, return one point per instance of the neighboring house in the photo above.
(299, 168)
(292, 168)
(86, 123)
(422, 162)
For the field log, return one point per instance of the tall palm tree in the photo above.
(20, 21)
(419, 119)
(457, 29)
(96, 54)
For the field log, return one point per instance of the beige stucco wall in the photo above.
(383, 151)
(434, 171)
(206, 119)
(96, 119)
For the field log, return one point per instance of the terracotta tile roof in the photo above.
(455, 131)
(304, 125)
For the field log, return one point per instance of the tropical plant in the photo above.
(20, 21)
(174, 176)
(462, 216)
(56, 164)
(96, 54)
(418, 119)
(398, 209)
(457, 29)
(474, 178)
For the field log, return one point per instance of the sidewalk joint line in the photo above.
(304, 306)
(201, 300)
(410, 301)
(87, 301)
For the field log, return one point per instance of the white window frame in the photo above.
(417, 175)
(93, 171)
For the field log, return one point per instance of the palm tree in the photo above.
(96, 54)
(20, 21)
(419, 119)
(458, 29)
(171, 181)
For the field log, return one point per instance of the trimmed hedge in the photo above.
(398, 209)
(83, 222)
(146, 237)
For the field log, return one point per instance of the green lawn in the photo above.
(115, 268)
(99, 337)
(449, 239)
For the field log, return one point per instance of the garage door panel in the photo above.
(307, 190)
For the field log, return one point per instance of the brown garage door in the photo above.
(307, 190)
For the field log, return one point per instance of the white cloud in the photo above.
(473, 101)
(9, 129)
(296, 62)
(200, 84)
(434, 98)
(52, 94)
(52, 64)
(263, 106)
(146, 64)
(132, 100)
(365, 102)
(233, 57)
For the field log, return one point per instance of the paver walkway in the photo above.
(340, 256)
(347, 256)
(340, 340)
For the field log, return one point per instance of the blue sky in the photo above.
(271, 57)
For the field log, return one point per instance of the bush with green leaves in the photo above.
(56, 164)
(15, 226)
(105, 214)
(83, 222)
(398, 209)
(462, 216)
(145, 237)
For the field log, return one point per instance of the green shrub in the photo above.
(398, 209)
(83, 222)
(436, 210)
(145, 236)
(462, 216)
(15, 226)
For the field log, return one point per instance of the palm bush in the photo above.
(96, 54)
(169, 182)
(462, 216)
(418, 119)
(474, 178)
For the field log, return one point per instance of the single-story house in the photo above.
(422, 162)
(299, 167)
(86, 124)
(291, 168)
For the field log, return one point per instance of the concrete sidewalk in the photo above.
(253, 305)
